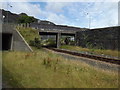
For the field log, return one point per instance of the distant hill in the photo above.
(9, 17)
(13, 18)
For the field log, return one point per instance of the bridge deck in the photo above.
(54, 32)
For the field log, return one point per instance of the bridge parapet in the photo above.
(56, 31)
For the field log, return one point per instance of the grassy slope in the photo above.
(28, 69)
(97, 51)
(28, 33)
(22, 69)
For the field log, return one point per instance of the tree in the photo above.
(26, 19)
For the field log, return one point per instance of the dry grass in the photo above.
(42, 69)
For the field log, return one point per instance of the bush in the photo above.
(26, 19)
(36, 43)
(51, 42)
(67, 41)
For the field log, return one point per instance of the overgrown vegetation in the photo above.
(96, 51)
(49, 42)
(26, 19)
(31, 36)
(36, 43)
(41, 69)
(66, 40)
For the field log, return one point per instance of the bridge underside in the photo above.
(6, 41)
(58, 36)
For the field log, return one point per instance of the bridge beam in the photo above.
(58, 36)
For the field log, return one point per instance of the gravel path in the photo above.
(92, 62)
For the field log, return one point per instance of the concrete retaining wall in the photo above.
(18, 42)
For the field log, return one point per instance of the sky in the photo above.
(78, 14)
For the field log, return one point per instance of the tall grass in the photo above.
(40, 69)
(114, 53)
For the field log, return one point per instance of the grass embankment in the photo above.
(28, 33)
(41, 69)
(96, 51)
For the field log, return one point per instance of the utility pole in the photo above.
(89, 20)
(89, 17)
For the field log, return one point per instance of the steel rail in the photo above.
(104, 59)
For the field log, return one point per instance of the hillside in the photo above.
(9, 17)
(13, 18)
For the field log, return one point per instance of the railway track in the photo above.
(95, 57)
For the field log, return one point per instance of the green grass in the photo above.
(28, 33)
(114, 53)
(41, 69)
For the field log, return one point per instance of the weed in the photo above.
(55, 68)
(28, 55)
(44, 61)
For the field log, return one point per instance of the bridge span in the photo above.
(58, 34)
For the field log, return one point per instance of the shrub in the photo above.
(36, 43)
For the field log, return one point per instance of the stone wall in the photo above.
(104, 38)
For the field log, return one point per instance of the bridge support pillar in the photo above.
(75, 39)
(58, 40)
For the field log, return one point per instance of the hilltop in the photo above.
(13, 18)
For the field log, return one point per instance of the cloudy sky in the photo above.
(80, 14)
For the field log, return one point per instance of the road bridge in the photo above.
(58, 30)
(58, 33)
